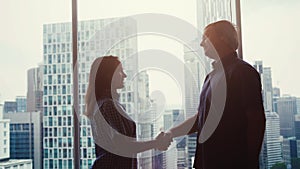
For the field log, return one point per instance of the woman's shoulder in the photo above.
(107, 105)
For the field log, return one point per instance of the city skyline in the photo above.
(277, 17)
(264, 44)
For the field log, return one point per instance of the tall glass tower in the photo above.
(271, 151)
(95, 38)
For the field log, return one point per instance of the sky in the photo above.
(270, 32)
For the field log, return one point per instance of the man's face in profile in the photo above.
(208, 41)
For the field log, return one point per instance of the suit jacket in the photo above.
(231, 119)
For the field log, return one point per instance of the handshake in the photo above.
(163, 140)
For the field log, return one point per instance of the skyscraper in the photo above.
(289, 149)
(26, 136)
(258, 65)
(175, 156)
(267, 87)
(298, 105)
(209, 11)
(287, 110)
(272, 144)
(5, 161)
(276, 95)
(35, 89)
(10, 106)
(95, 38)
(4, 139)
(271, 148)
(145, 119)
(21, 103)
(195, 72)
(297, 127)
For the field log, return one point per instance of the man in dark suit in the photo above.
(230, 121)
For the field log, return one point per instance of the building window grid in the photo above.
(68, 87)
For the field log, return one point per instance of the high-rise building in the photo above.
(26, 136)
(276, 92)
(35, 89)
(271, 152)
(297, 126)
(158, 160)
(175, 156)
(5, 161)
(4, 139)
(169, 156)
(145, 119)
(258, 65)
(209, 11)
(21, 103)
(289, 149)
(267, 87)
(195, 72)
(180, 142)
(95, 38)
(298, 105)
(12, 164)
(287, 109)
(10, 106)
(276, 95)
(271, 148)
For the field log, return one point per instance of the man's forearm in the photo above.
(185, 128)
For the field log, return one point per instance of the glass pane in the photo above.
(31, 39)
(270, 44)
(157, 43)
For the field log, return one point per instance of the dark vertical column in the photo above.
(76, 146)
(239, 24)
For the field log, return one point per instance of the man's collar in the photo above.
(224, 61)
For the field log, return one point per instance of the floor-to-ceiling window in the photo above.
(158, 45)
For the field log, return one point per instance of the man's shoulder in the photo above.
(244, 67)
(241, 69)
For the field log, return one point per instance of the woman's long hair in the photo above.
(100, 79)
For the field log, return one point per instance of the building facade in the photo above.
(21, 103)
(26, 137)
(10, 106)
(35, 89)
(287, 109)
(5, 161)
(4, 133)
(16, 164)
(95, 38)
(267, 87)
(272, 150)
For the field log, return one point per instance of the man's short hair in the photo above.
(226, 31)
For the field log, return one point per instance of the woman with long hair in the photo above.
(114, 132)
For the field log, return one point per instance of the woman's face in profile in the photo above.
(118, 78)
